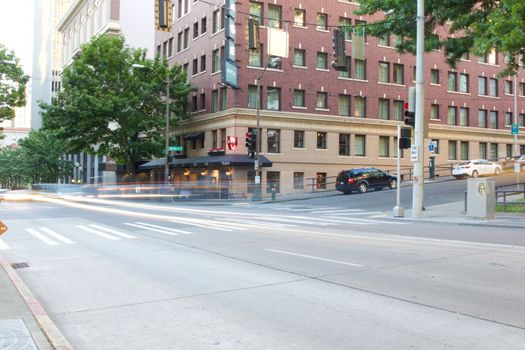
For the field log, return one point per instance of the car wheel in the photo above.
(498, 171)
(475, 173)
(392, 184)
(363, 187)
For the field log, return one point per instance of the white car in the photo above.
(475, 168)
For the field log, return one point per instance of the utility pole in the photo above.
(417, 188)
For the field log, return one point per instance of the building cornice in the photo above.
(68, 16)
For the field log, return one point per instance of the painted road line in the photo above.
(258, 223)
(3, 245)
(334, 220)
(115, 232)
(41, 236)
(322, 211)
(151, 229)
(57, 236)
(207, 224)
(296, 221)
(314, 257)
(357, 213)
(176, 230)
(101, 234)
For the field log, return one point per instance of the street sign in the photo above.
(257, 179)
(414, 154)
(431, 147)
(175, 148)
(3, 228)
(516, 167)
(515, 128)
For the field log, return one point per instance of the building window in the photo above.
(452, 81)
(384, 72)
(509, 87)
(436, 146)
(322, 100)
(482, 118)
(186, 43)
(252, 96)
(224, 98)
(361, 28)
(399, 74)
(383, 108)
(483, 150)
(299, 18)
(274, 16)
(170, 47)
(215, 100)
(522, 89)
(452, 115)
(298, 98)
(256, 11)
(348, 64)
(298, 180)
(195, 30)
(384, 146)
(194, 105)
(273, 138)
(360, 145)
(508, 118)
(493, 151)
(397, 110)
(273, 181)
(273, 98)
(299, 58)
(179, 42)
(344, 105)
(493, 119)
(452, 154)
(384, 40)
(360, 69)
(434, 76)
(482, 86)
(344, 144)
(203, 102)
(203, 63)
(195, 67)
(345, 24)
(255, 57)
(215, 61)
(204, 22)
(321, 140)
(508, 150)
(463, 83)
(321, 180)
(463, 150)
(322, 60)
(493, 87)
(298, 139)
(359, 107)
(214, 139)
(322, 21)
(463, 116)
(522, 120)
(434, 111)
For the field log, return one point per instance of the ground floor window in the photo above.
(360, 141)
(384, 149)
(508, 150)
(273, 179)
(483, 150)
(344, 144)
(452, 154)
(493, 151)
(298, 181)
(321, 181)
(464, 151)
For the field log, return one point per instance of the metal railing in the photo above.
(503, 194)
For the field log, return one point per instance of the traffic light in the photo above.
(253, 34)
(251, 139)
(339, 62)
(404, 140)
(410, 107)
(232, 142)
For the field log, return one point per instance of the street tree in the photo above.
(457, 27)
(108, 107)
(12, 84)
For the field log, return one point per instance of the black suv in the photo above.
(362, 179)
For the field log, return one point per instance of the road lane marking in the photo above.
(3, 245)
(101, 234)
(314, 257)
(258, 223)
(297, 221)
(176, 230)
(207, 224)
(115, 232)
(152, 229)
(57, 235)
(41, 236)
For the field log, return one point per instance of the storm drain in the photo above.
(20, 265)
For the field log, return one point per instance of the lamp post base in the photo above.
(398, 212)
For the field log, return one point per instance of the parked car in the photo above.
(475, 168)
(362, 179)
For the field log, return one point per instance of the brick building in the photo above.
(315, 120)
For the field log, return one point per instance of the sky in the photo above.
(16, 29)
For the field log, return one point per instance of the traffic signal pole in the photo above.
(417, 188)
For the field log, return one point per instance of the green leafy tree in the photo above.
(11, 169)
(458, 27)
(12, 84)
(107, 102)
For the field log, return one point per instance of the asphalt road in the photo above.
(278, 276)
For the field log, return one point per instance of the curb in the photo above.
(55, 338)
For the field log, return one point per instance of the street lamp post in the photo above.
(166, 81)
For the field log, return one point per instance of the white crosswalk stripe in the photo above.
(259, 223)
(101, 234)
(41, 237)
(3, 245)
(176, 230)
(214, 225)
(115, 232)
(57, 235)
(151, 229)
